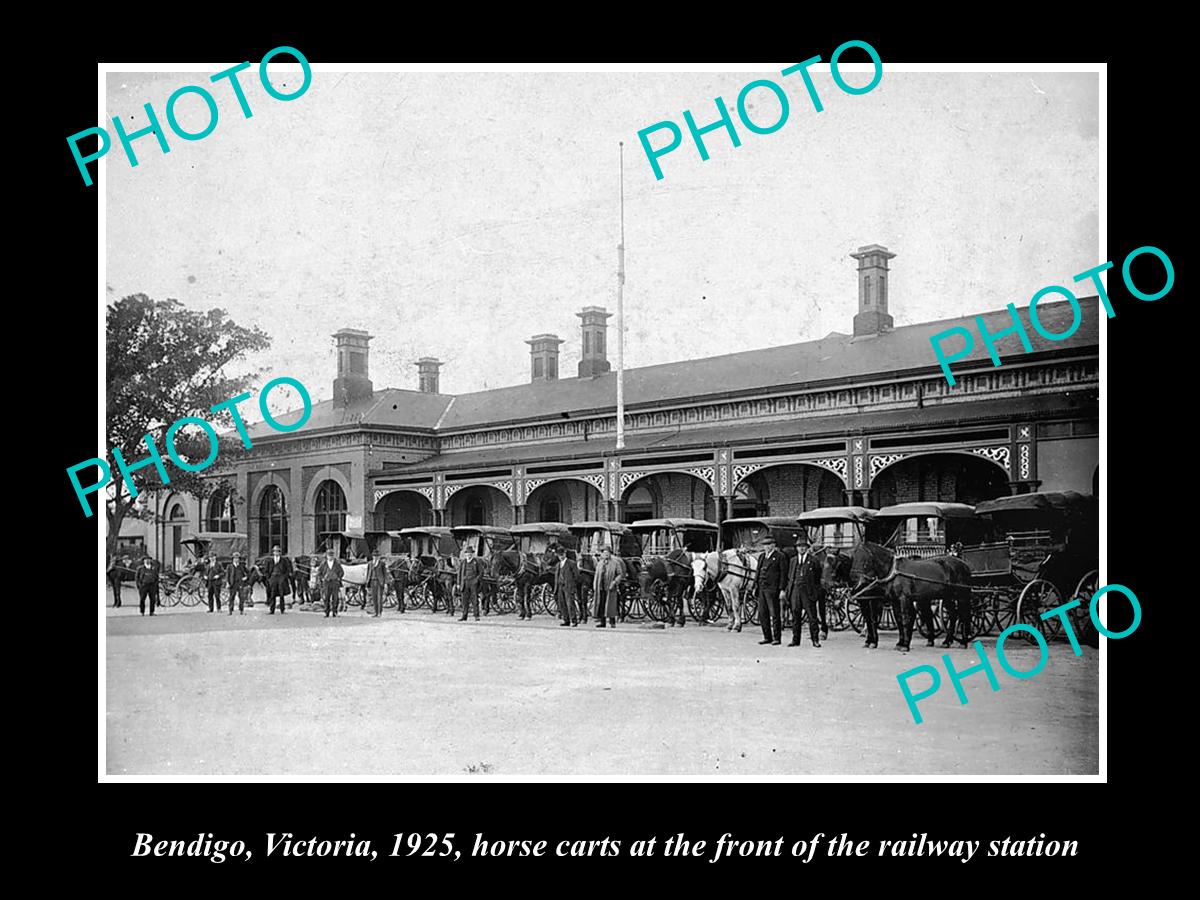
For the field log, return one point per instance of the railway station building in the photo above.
(861, 417)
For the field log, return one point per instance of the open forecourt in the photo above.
(194, 693)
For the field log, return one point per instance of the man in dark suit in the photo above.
(378, 578)
(147, 585)
(470, 578)
(606, 587)
(237, 578)
(214, 578)
(772, 573)
(801, 589)
(329, 579)
(566, 588)
(278, 572)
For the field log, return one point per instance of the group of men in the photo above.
(606, 585)
(793, 579)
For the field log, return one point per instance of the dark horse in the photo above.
(528, 571)
(882, 576)
(674, 572)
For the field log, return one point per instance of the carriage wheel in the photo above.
(749, 606)
(656, 605)
(705, 606)
(835, 608)
(190, 591)
(1081, 615)
(353, 594)
(1004, 609)
(983, 615)
(505, 599)
(541, 599)
(854, 615)
(939, 620)
(389, 596)
(1038, 597)
(630, 603)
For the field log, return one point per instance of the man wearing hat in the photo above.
(278, 572)
(772, 573)
(237, 577)
(801, 589)
(606, 588)
(329, 579)
(566, 592)
(470, 576)
(147, 585)
(214, 578)
(378, 578)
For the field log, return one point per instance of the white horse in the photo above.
(353, 576)
(732, 571)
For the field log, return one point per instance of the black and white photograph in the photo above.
(508, 423)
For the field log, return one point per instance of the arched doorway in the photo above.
(787, 489)
(479, 504)
(176, 527)
(667, 495)
(939, 477)
(272, 520)
(403, 509)
(564, 500)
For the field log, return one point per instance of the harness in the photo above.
(896, 573)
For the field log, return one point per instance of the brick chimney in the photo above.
(427, 372)
(543, 353)
(353, 383)
(872, 317)
(595, 354)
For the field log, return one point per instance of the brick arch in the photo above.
(967, 453)
(759, 468)
(330, 474)
(423, 508)
(669, 503)
(399, 490)
(577, 504)
(497, 504)
(260, 489)
(818, 486)
(960, 477)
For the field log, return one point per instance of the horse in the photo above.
(674, 571)
(528, 571)
(882, 576)
(732, 571)
(301, 575)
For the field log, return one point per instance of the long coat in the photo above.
(606, 588)
(803, 579)
(278, 576)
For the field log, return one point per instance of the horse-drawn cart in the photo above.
(488, 542)
(525, 563)
(666, 570)
(207, 548)
(432, 555)
(832, 532)
(625, 546)
(1044, 552)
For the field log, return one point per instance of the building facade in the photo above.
(860, 418)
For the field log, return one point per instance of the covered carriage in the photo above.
(666, 573)
(748, 535)
(433, 553)
(205, 548)
(525, 561)
(1043, 551)
(626, 547)
(835, 530)
(488, 542)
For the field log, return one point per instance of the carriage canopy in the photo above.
(616, 535)
(748, 534)
(929, 529)
(431, 540)
(484, 539)
(838, 526)
(220, 544)
(659, 536)
(536, 537)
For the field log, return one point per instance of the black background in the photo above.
(1150, 479)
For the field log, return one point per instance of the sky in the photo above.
(458, 214)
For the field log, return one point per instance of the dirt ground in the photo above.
(193, 693)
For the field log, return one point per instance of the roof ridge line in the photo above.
(442, 417)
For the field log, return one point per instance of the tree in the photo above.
(166, 362)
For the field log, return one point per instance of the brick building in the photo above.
(864, 417)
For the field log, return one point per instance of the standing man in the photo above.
(278, 572)
(378, 578)
(470, 575)
(802, 588)
(116, 567)
(237, 576)
(329, 577)
(147, 585)
(606, 588)
(566, 588)
(772, 572)
(214, 578)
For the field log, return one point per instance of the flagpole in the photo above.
(621, 308)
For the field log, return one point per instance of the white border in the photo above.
(103, 69)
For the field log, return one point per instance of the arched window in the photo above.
(330, 508)
(272, 521)
(639, 504)
(550, 510)
(220, 511)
